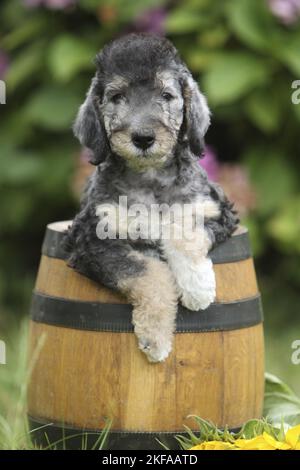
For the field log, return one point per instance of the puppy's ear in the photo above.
(89, 129)
(197, 115)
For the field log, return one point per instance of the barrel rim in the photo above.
(45, 430)
(236, 248)
(50, 422)
(117, 318)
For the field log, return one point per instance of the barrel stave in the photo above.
(85, 375)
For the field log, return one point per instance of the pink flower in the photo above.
(51, 4)
(210, 164)
(151, 21)
(235, 181)
(59, 4)
(33, 3)
(288, 11)
(83, 169)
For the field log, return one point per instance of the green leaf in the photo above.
(15, 209)
(284, 227)
(257, 235)
(24, 66)
(182, 21)
(26, 31)
(281, 403)
(68, 55)
(278, 408)
(273, 179)
(125, 9)
(275, 385)
(288, 51)
(200, 59)
(53, 107)
(23, 167)
(233, 75)
(263, 108)
(252, 428)
(213, 38)
(252, 22)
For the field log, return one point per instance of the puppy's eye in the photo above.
(117, 97)
(167, 96)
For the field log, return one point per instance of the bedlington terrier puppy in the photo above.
(144, 121)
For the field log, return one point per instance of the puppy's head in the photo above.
(141, 102)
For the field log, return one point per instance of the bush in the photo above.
(245, 58)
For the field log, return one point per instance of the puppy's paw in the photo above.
(196, 284)
(156, 350)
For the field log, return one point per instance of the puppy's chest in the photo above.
(144, 197)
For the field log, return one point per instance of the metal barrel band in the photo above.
(236, 248)
(71, 437)
(95, 316)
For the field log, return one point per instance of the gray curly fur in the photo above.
(175, 178)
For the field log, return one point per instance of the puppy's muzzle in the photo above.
(143, 140)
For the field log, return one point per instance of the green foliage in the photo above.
(243, 58)
(52, 107)
(68, 55)
(281, 403)
(281, 411)
(232, 75)
(252, 24)
(246, 62)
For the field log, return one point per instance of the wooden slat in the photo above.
(235, 281)
(83, 377)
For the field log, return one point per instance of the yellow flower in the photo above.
(292, 437)
(214, 445)
(262, 442)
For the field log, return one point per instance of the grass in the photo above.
(13, 379)
(14, 376)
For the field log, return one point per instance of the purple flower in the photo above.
(237, 186)
(51, 4)
(3, 64)
(151, 21)
(33, 3)
(233, 179)
(59, 4)
(210, 164)
(288, 11)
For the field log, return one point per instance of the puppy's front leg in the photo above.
(154, 298)
(185, 249)
(146, 282)
(192, 269)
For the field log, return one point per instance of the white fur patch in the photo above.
(196, 282)
(193, 272)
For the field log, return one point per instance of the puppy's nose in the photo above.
(142, 141)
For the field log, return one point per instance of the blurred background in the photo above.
(245, 55)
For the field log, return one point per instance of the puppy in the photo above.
(144, 121)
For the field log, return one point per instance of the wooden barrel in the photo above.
(89, 369)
